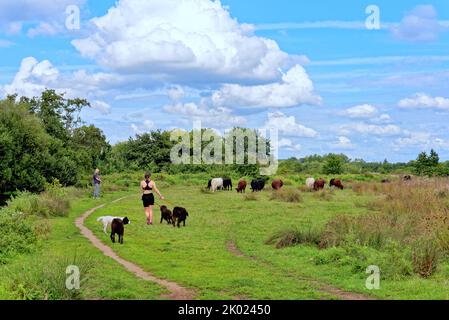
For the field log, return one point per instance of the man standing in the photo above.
(97, 182)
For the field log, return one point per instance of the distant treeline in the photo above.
(43, 139)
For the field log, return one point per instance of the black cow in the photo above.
(257, 185)
(227, 184)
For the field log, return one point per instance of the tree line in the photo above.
(44, 138)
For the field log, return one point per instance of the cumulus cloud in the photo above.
(288, 125)
(289, 145)
(424, 101)
(215, 117)
(295, 89)
(343, 143)
(420, 25)
(32, 78)
(361, 111)
(36, 76)
(370, 129)
(196, 37)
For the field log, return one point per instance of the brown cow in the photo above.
(336, 183)
(241, 186)
(319, 184)
(277, 184)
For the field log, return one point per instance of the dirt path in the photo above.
(177, 292)
(326, 288)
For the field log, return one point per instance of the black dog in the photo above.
(166, 214)
(179, 215)
(118, 227)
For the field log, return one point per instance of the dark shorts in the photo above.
(148, 200)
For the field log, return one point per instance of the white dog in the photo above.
(107, 220)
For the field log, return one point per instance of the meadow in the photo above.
(290, 244)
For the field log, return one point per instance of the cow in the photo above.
(319, 184)
(216, 184)
(257, 185)
(241, 188)
(310, 182)
(336, 183)
(407, 178)
(227, 184)
(277, 184)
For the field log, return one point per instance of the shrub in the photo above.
(325, 194)
(16, 235)
(286, 195)
(292, 237)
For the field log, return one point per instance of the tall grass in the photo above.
(413, 215)
(286, 195)
(46, 280)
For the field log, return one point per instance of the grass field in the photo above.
(222, 252)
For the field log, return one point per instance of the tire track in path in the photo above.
(177, 292)
(326, 288)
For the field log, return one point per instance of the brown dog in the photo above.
(179, 215)
(166, 214)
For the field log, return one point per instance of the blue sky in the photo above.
(311, 69)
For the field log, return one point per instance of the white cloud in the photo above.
(147, 126)
(288, 145)
(40, 15)
(343, 143)
(32, 78)
(101, 106)
(420, 25)
(175, 37)
(36, 76)
(176, 93)
(295, 89)
(370, 129)
(420, 139)
(288, 126)
(219, 117)
(361, 111)
(44, 28)
(424, 101)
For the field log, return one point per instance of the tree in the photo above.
(92, 141)
(60, 116)
(333, 164)
(427, 165)
(24, 149)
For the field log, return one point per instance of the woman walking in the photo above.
(148, 186)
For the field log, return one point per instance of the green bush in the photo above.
(16, 236)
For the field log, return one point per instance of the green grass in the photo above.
(198, 258)
(106, 279)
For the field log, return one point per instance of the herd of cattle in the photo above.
(259, 184)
